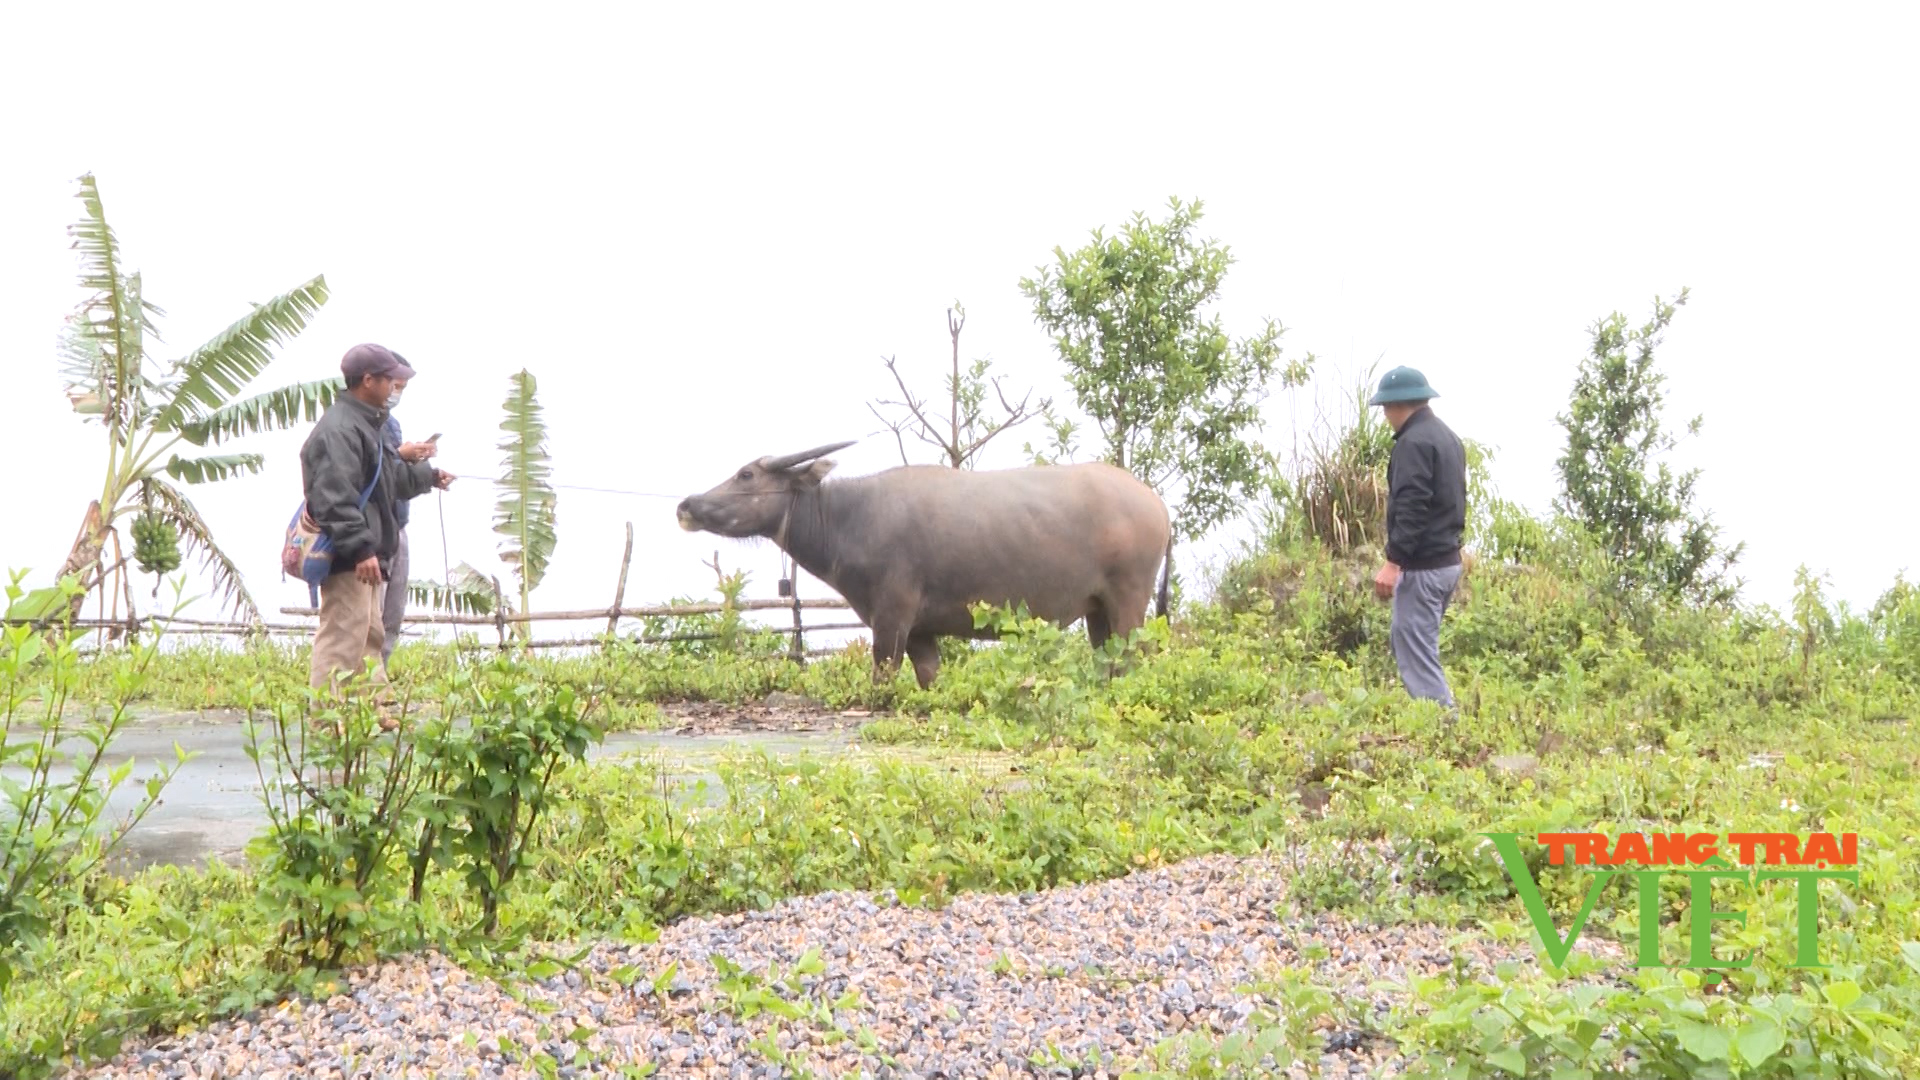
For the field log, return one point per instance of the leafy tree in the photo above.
(1062, 444)
(969, 427)
(1172, 395)
(1637, 511)
(149, 413)
(524, 514)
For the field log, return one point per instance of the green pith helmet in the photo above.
(1402, 384)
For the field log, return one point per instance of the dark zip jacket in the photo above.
(1426, 494)
(390, 434)
(335, 465)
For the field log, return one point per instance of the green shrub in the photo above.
(51, 846)
(494, 776)
(340, 806)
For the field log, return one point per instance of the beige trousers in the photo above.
(351, 631)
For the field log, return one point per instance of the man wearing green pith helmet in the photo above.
(1426, 520)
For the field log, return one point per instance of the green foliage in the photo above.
(339, 806)
(1335, 493)
(274, 410)
(525, 512)
(1573, 1025)
(170, 947)
(728, 626)
(146, 410)
(1337, 497)
(1895, 620)
(1609, 484)
(1173, 396)
(1060, 447)
(1482, 496)
(665, 642)
(1273, 1041)
(496, 774)
(51, 845)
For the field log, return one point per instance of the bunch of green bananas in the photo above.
(156, 546)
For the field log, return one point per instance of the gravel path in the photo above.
(990, 986)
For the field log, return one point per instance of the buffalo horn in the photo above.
(788, 461)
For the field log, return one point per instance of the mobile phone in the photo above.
(435, 437)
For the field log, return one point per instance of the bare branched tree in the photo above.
(968, 427)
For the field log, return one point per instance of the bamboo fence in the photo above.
(505, 624)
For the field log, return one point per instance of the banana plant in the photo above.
(467, 592)
(524, 515)
(159, 420)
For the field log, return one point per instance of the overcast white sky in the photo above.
(701, 228)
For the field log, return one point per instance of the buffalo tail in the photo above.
(1166, 572)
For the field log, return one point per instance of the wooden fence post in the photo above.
(620, 593)
(126, 582)
(798, 653)
(106, 621)
(499, 612)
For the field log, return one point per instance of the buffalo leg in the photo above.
(1127, 614)
(1099, 626)
(888, 639)
(1119, 617)
(925, 653)
(1099, 630)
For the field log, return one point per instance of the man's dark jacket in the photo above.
(1427, 494)
(337, 462)
(390, 434)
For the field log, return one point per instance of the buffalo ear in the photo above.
(816, 471)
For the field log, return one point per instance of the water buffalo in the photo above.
(912, 547)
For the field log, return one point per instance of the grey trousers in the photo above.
(396, 600)
(1419, 600)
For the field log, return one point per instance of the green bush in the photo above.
(51, 846)
(494, 775)
(340, 805)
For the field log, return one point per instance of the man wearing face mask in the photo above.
(396, 596)
(353, 482)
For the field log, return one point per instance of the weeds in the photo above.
(497, 775)
(341, 803)
(50, 845)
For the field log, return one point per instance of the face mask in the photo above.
(393, 399)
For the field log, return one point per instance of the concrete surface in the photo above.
(212, 806)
